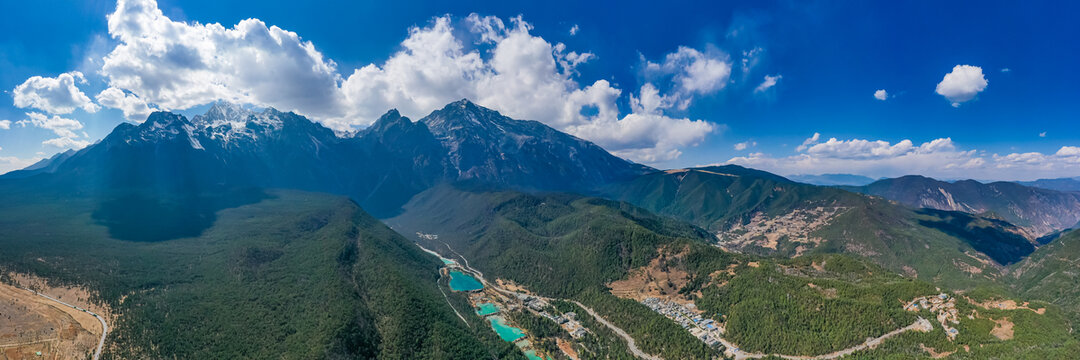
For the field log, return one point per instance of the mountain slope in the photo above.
(1040, 211)
(381, 167)
(612, 256)
(486, 146)
(757, 212)
(295, 275)
(1052, 273)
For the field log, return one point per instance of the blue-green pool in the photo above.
(486, 309)
(459, 281)
(446, 261)
(506, 332)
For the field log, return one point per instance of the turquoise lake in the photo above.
(459, 281)
(486, 309)
(448, 261)
(506, 332)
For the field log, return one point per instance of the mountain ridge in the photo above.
(381, 166)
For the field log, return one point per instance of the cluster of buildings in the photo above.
(944, 306)
(567, 321)
(707, 330)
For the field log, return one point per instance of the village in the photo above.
(944, 306)
(706, 330)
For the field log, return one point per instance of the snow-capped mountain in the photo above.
(381, 167)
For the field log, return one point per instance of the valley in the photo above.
(264, 248)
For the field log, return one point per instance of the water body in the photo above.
(446, 261)
(506, 332)
(459, 281)
(486, 309)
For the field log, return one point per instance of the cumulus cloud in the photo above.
(809, 141)
(745, 145)
(940, 158)
(1042, 134)
(525, 77)
(160, 63)
(574, 30)
(63, 127)
(178, 65)
(769, 82)
(962, 84)
(5, 124)
(58, 95)
(134, 108)
(881, 95)
(691, 73)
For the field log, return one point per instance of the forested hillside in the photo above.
(290, 275)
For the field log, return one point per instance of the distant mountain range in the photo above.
(1039, 211)
(1059, 184)
(381, 167)
(832, 179)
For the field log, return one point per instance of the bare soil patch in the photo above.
(1003, 329)
(934, 354)
(30, 323)
(567, 348)
(1005, 305)
(655, 280)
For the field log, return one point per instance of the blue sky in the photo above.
(670, 84)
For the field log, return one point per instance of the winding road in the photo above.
(629, 340)
(104, 326)
(919, 325)
(731, 349)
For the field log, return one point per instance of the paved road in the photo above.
(104, 326)
(629, 340)
(919, 325)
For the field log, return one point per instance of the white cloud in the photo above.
(1042, 134)
(962, 84)
(524, 77)
(178, 65)
(1067, 151)
(134, 109)
(5, 124)
(745, 145)
(574, 30)
(62, 127)
(1005, 70)
(58, 95)
(164, 64)
(691, 73)
(10, 163)
(939, 158)
(66, 143)
(769, 82)
(881, 95)
(809, 141)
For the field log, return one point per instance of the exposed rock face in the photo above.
(1039, 211)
